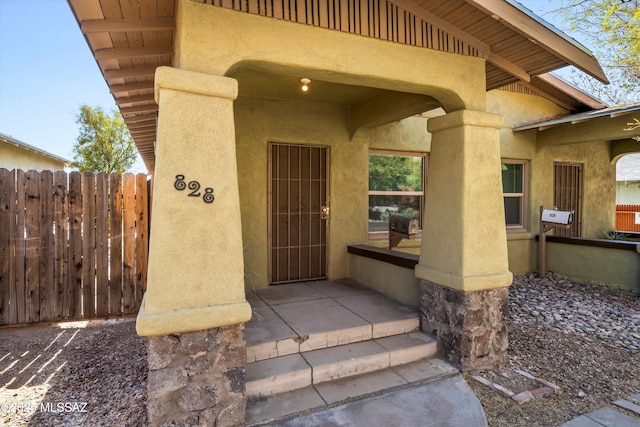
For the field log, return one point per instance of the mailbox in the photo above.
(557, 217)
(401, 227)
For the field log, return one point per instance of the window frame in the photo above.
(524, 195)
(382, 235)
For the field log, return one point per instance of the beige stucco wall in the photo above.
(614, 267)
(12, 157)
(219, 41)
(244, 41)
(599, 194)
(287, 48)
(598, 173)
(259, 122)
(399, 283)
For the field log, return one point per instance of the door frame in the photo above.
(327, 150)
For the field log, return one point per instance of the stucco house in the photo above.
(263, 122)
(15, 154)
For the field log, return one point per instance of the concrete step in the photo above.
(296, 371)
(272, 410)
(305, 326)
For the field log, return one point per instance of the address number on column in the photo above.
(206, 193)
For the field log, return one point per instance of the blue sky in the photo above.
(47, 72)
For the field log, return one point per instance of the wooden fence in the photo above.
(72, 246)
(625, 218)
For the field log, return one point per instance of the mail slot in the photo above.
(557, 217)
(403, 225)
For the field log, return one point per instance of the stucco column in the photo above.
(195, 307)
(463, 260)
(196, 270)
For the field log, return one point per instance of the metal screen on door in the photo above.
(298, 212)
(567, 195)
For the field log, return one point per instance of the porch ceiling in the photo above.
(130, 39)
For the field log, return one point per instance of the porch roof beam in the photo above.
(472, 41)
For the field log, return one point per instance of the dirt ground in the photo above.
(590, 375)
(82, 374)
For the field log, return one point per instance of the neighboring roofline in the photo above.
(580, 117)
(545, 34)
(573, 91)
(29, 147)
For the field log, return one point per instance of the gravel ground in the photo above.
(582, 338)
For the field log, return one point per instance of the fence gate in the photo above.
(72, 246)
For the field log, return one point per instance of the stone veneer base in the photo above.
(197, 378)
(470, 326)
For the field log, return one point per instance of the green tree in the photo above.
(104, 143)
(395, 173)
(613, 28)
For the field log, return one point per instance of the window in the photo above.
(514, 189)
(396, 186)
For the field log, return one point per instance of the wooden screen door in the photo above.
(567, 195)
(298, 212)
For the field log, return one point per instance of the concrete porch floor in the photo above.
(307, 316)
(307, 319)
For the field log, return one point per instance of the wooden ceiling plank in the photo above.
(127, 24)
(133, 128)
(134, 99)
(141, 119)
(138, 109)
(129, 72)
(127, 87)
(118, 53)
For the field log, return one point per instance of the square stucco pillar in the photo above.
(463, 264)
(194, 309)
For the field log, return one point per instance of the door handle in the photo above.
(324, 213)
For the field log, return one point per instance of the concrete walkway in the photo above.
(610, 417)
(447, 402)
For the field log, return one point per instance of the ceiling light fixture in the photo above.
(305, 84)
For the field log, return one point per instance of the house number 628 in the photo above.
(194, 186)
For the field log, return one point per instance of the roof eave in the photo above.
(525, 22)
